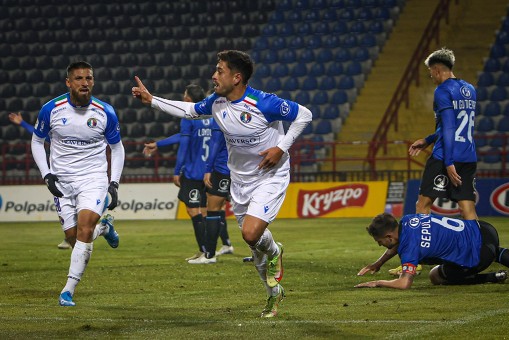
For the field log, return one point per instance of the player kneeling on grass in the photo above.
(461, 248)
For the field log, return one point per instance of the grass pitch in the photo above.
(144, 289)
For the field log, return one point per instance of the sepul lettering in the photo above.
(318, 203)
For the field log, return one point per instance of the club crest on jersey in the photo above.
(245, 117)
(465, 92)
(92, 122)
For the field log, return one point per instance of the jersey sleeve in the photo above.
(275, 108)
(112, 131)
(408, 250)
(186, 127)
(205, 106)
(42, 125)
(174, 139)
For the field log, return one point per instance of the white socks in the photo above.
(79, 259)
(100, 229)
(266, 248)
(267, 245)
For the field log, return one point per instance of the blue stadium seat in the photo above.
(364, 13)
(492, 109)
(269, 57)
(277, 17)
(503, 80)
(503, 124)
(498, 94)
(348, 41)
(485, 124)
(324, 55)
(291, 84)
(342, 55)
(375, 26)
(346, 83)
(492, 157)
(278, 43)
(317, 70)
(357, 27)
(502, 38)
(368, 40)
(312, 16)
(335, 68)
(315, 110)
(273, 85)
(381, 13)
(302, 97)
(314, 42)
(327, 83)
(296, 42)
(320, 98)
(294, 16)
(280, 71)
(321, 28)
(262, 43)
(486, 79)
(346, 14)
(339, 97)
(330, 112)
(323, 127)
(497, 51)
(482, 94)
(492, 65)
(299, 70)
(480, 140)
(309, 83)
(286, 29)
(306, 56)
(287, 56)
(269, 30)
(340, 28)
(331, 41)
(354, 68)
(361, 54)
(330, 16)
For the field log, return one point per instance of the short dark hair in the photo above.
(381, 225)
(238, 61)
(195, 92)
(78, 65)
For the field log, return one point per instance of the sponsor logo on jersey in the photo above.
(265, 209)
(92, 122)
(97, 201)
(499, 199)
(64, 121)
(440, 182)
(245, 117)
(285, 108)
(247, 141)
(224, 114)
(194, 196)
(314, 203)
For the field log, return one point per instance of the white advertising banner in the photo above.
(136, 202)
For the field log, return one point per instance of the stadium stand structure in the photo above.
(316, 52)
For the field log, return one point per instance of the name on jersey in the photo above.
(204, 132)
(464, 104)
(425, 234)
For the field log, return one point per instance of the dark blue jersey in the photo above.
(454, 105)
(194, 147)
(433, 239)
(218, 158)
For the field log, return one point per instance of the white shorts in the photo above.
(89, 193)
(261, 199)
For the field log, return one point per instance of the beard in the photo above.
(81, 98)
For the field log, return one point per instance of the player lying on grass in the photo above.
(461, 248)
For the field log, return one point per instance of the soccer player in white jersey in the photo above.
(80, 126)
(251, 121)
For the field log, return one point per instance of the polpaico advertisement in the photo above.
(136, 202)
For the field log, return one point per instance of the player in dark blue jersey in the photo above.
(461, 248)
(450, 171)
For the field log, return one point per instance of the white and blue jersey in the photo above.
(218, 159)
(79, 135)
(251, 124)
(432, 239)
(454, 105)
(194, 146)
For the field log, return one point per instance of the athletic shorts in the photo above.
(192, 192)
(89, 193)
(489, 249)
(261, 199)
(435, 181)
(220, 185)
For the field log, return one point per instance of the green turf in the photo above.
(145, 289)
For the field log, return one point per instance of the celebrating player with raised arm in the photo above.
(258, 159)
